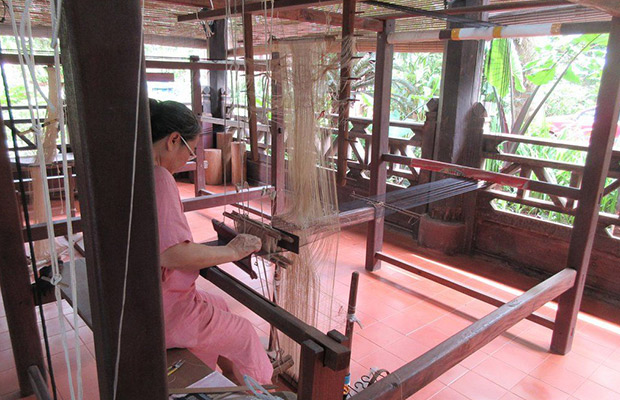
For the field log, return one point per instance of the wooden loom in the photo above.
(409, 378)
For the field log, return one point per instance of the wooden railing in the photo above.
(545, 171)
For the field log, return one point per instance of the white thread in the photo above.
(133, 181)
(26, 55)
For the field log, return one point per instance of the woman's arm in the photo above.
(193, 256)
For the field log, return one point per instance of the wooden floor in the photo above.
(402, 317)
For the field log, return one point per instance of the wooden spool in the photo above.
(213, 172)
(237, 150)
(224, 139)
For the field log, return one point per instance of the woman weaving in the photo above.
(194, 319)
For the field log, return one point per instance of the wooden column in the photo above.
(248, 47)
(277, 135)
(344, 93)
(460, 89)
(103, 66)
(199, 176)
(14, 278)
(317, 381)
(379, 145)
(595, 172)
(217, 79)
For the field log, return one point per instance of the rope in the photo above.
(22, 190)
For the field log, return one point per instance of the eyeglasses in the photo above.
(192, 155)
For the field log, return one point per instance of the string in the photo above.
(131, 204)
(26, 54)
(33, 262)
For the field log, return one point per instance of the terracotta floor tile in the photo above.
(520, 356)
(593, 391)
(382, 360)
(511, 396)
(591, 349)
(428, 336)
(56, 345)
(608, 377)
(612, 362)
(5, 341)
(497, 343)
(4, 326)
(362, 347)
(407, 349)
(380, 334)
(6, 360)
(8, 381)
(474, 359)
(448, 393)
(558, 376)
(451, 323)
(477, 387)
(532, 388)
(575, 362)
(428, 391)
(452, 374)
(499, 372)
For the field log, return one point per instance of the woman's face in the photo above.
(184, 151)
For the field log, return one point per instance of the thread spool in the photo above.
(213, 172)
(237, 151)
(224, 139)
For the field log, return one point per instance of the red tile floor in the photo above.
(404, 315)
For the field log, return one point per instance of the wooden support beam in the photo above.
(344, 92)
(248, 47)
(336, 355)
(102, 77)
(487, 176)
(15, 279)
(356, 217)
(380, 138)
(316, 381)
(217, 79)
(595, 172)
(489, 8)
(329, 18)
(611, 7)
(196, 93)
(414, 375)
(254, 8)
(221, 199)
(39, 231)
(447, 282)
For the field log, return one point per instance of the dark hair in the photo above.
(171, 116)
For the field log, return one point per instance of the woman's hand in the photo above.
(243, 245)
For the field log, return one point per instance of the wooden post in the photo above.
(594, 174)
(237, 153)
(248, 47)
(102, 84)
(277, 135)
(217, 79)
(223, 141)
(428, 136)
(316, 381)
(14, 278)
(344, 94)
(460, 88)
(473, 153)
(380, 135)
(199, 177)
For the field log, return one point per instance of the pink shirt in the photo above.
(180, 298)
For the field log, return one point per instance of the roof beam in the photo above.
(329, 18)
(611, 7)
(490, 8)
(254, 8)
